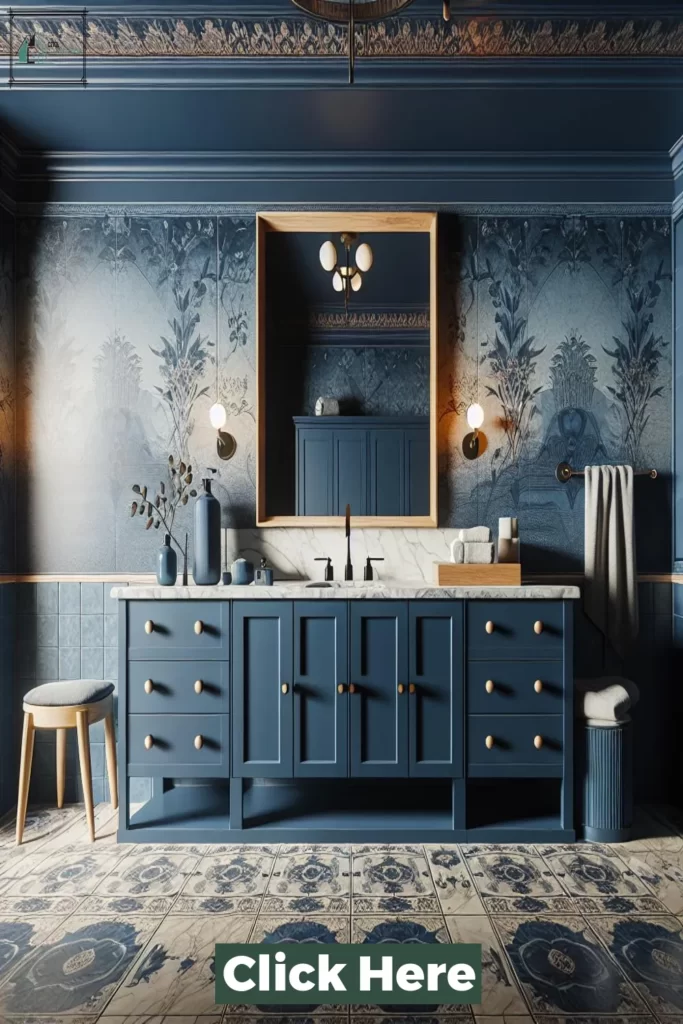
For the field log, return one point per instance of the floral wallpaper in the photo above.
(7, 392)
(129, 326)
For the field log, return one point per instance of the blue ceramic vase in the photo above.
(207, 538)
(167, 564)
(242, 572)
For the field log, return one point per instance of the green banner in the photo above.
(292, 974)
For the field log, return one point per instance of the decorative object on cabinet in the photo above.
(508, 539)
(68, 704)
(162, 510)
(474, 443)
(167, 564)
(401, 318)
(264, 575)
(450, 574)
(242, 572)
(207, 538)
(327, 406)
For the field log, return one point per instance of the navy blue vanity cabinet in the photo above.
(435, 689)
(262, 698)
(378, 689)
(321, 697)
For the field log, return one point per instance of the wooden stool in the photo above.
(70, 704)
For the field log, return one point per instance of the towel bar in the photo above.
(564, 472)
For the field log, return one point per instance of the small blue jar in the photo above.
(167, 564)
(242, 572)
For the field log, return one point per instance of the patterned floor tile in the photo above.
(38, 906)
(587, 871)
(508, 873)
(506, 1019)
(149, 874)
(78, 968)
(650, 953)
(70, 874)
(176, 973)
(640, 1019)
(651, 832)
(396, 905)
(311, 873)
(588, 906)
(196, 906)
(388, 1015)
(228, 874)
(300, 929)
(563, 969)
(284, 1015)
(308, 905)
(104, 906)
(41, 824)
(500, 994)
(454, 887)
(663, 874)
(392, 873)
(415, 930)
(136, 1019)
(76, 836)
(526, 905)
(21, 937)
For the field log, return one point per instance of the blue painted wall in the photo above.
(7, 477)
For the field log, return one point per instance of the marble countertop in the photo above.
(385, 590)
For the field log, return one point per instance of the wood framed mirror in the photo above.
(346, 362)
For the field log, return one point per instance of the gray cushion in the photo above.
(69, 691)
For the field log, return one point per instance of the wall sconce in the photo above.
(474, 444)
(346, 277)
(226, 445)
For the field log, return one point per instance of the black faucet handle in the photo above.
(329, 568)
(368, 573)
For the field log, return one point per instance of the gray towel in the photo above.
(610, 596)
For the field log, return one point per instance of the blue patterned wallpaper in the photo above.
(559, 325)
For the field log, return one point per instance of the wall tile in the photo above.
(111, 663)
(69, 598)
(69, 663)
(47, 664)
(111, 604)
(69, 631)
(92, 630)
(26, 598)
(111, 630)
(92, 662)
(47, 630)
(47, 598)
(92, 598)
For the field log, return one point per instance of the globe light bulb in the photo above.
(328, 256)
(475, 416)
(357, 281)
(217, 415)
(337, 282)
(364, 257)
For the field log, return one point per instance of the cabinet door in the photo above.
(378, 712)
(321, 748)
(350, 471)
(417, 463)
(436, 721)
(387, 463)
(314, 472)
(262, 666)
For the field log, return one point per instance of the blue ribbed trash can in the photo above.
(608, 783)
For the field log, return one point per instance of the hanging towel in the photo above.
(610, 596)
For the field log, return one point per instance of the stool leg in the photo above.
(61, 765)
(110, 747)
(27, 737)
(86, 778)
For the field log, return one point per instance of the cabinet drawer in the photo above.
(173, 751)
(511, 629)
(514, 687)
(178, 629)
(173, 687)
(513, 740)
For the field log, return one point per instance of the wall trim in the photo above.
(117, 578)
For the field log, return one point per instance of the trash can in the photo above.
(608, 782)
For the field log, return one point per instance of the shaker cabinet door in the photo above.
(262, 689)
(378, 707)
(321, 697)
(435, 691)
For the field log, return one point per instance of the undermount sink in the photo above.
(347, 584)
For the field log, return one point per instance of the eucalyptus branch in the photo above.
(162, 509)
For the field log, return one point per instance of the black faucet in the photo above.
(348, 568)
(368, 573)
(329, 568)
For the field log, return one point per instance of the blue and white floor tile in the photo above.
(593, 871)
(149, 874)
(452, 882)
(392, 873)
(196, 906)
(69, 874)
(500, 993)
(274, 928)
(508, 873)
(230, 874)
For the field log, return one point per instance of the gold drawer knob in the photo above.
(149, 742)
(198, 742)
(199, 627)
(198, 686)
(538, 686)
(490, 686)
(538, 627)
(489, 742)
(285, 687)
(401, 687)
(149, 626)
(149, 685)
(412, 688)
(490, 627)
(352, 687)
(538, 742)
(340, 688)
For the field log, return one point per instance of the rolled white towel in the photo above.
(478, 553)
(475, 535)
(606, 699)
(457, 552)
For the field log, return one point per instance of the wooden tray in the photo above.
(499, 574)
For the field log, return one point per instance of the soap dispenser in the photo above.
(207, 538)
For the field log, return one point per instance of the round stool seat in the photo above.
(69, 692)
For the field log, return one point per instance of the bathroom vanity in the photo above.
(348, 713)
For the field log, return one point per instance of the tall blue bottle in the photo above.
(207, 538)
